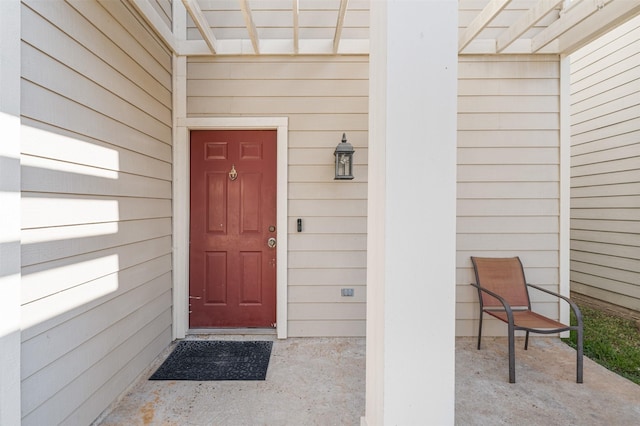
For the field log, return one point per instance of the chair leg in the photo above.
(526, 341)
(579, 354)
(512, 355)
(480, 330)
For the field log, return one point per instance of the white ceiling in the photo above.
(327, 27)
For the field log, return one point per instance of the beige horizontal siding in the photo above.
(322, 98)
(508, 175)
(333, 225)
(605, 168)
(134, 57)
(313, 173)
(606, 226)
(68, 364)
(48, 244)
(96, 206)
(326, 259)
(327, 294)
(326, 276)
(47, 175)
(107, 159)
(46, 279)
(280, 88)
(66, 210)
(63, 306)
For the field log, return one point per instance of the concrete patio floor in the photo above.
(321, 381)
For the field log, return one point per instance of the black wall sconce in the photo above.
(344, 160)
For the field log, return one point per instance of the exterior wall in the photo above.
(605, 168)
(508, 175)
(96, 206)
(10, 214)
(322, 98)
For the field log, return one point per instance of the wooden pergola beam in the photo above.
(526, 22)
(152, 17)
(296, 26)
(572, 17)
(251, 26)
(339, 25)
(607, 18)
(201, 22)
(480, 23)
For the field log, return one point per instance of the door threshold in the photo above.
(233, 331)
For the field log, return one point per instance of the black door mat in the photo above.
(216, 360)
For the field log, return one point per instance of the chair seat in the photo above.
(528, 319)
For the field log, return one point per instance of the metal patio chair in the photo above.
(504, 294)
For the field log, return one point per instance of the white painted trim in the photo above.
(180, 201)
(181, 209)
(275, 47)
(376, 218)
(565, 189)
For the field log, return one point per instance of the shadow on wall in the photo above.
(96, 275)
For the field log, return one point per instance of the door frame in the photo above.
(181, 210)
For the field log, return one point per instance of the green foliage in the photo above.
(611, 342)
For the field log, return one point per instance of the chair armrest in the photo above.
(571, 303)
(505, 304)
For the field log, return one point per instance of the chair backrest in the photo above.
(503, 276)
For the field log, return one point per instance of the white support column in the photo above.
(10, 212)
(564, 260)
(180, 200)
(412, 213)
(180, 181)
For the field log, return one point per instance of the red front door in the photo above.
(233, 228)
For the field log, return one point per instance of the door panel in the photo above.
(251, 283)
(232, 268)
(217, 203)
(216, 278)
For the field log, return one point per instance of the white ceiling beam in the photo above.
(296, 26)
(606, 19)
(203, 25)
(179, 21)
(152, 17)
(339, 25)
(243, 47)
(480, 23)
(568, 19)
(522, 46)
(526, 22)
(251, 26)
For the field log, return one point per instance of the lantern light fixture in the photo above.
(344, 160)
